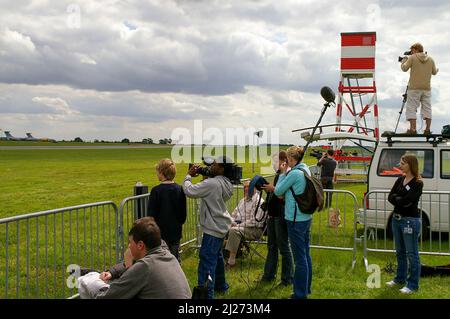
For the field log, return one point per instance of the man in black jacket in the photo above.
(328, 164)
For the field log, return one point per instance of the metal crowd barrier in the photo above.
(324, 235)
(135, 207)
(435, 215)
(341, 234)
(39, 247)
(36, 249)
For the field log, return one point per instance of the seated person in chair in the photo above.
(248, 223)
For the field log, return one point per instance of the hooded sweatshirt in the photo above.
(422, 67)
(214, 192)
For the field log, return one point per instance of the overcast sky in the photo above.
(137, 69)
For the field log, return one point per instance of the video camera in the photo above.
(204, 170)
(231, 170)
(233, 173)
(406, 53)
(317, 154)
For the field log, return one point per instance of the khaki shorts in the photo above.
(415, 99)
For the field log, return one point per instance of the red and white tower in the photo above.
(357, 86)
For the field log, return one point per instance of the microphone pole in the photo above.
(324, 109)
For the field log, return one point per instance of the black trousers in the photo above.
(327, 183)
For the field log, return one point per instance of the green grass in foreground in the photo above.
(333, 277)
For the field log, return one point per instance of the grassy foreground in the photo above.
(333, 277)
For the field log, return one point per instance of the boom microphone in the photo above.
(327, 94)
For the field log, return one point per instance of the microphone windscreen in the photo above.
(327, 94)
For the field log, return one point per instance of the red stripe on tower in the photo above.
(357, 63)
(358, 52)
(358, 39)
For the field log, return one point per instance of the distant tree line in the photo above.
(127, 140)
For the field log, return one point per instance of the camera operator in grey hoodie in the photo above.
(215, 220)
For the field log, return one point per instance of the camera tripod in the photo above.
(405, 97)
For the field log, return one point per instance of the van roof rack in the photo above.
(433, 139)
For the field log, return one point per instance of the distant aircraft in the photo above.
(43, 139)
(9, 137)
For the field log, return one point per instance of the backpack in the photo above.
(312, 198)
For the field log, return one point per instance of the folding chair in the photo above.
(248, 244)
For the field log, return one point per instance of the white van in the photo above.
(433, 153)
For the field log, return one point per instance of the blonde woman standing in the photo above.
(298, 223)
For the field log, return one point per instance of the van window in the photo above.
(390, 160)
(445, 164)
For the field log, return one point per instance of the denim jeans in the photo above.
(211, 263)
(277, 239)
(406, 236)
(299, 237)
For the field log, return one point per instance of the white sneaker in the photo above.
(406, 291)
(391, 283)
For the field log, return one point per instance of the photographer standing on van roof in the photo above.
(214, 219)
(419, 88)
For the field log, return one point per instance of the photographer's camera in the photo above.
(231, 170)
(405, 55)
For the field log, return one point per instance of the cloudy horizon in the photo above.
(110, 70)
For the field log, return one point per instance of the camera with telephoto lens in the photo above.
(400, 58)
(231, 170)
(316, 154)
(205, 170)
(233, 173)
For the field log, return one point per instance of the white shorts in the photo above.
(415, 99)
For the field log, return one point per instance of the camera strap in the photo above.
(257, 207)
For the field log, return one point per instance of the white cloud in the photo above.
(56, 104)
(83, 58)
(13, 42)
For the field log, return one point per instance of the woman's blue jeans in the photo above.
(406, 236)
(299, 237)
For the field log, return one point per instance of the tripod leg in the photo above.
(399, 116)
(405, 97)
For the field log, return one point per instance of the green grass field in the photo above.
(37, 180)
